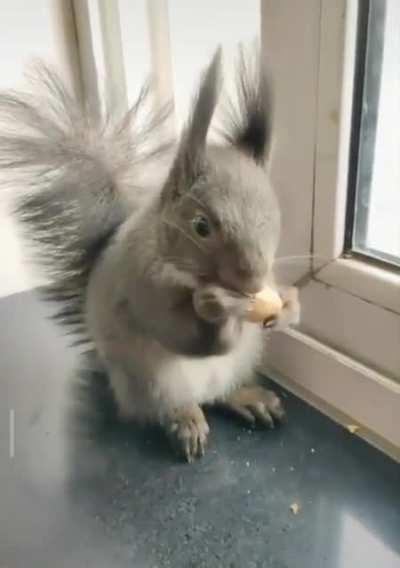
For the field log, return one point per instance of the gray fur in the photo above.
(189, 163)
(247, 125)
(163, 305)
(74, 166)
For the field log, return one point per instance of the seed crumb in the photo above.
(295, 508)
(352, 428)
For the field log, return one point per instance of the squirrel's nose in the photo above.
(248, 282)
(242, 279)
(252, 286)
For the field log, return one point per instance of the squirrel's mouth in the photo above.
(244, 286)
(231, 287)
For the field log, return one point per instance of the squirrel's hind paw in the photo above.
(188, 431)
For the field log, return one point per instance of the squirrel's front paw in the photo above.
(188, 430)
(215, 304)
(290, 313)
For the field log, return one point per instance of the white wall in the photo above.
(25, 33)
(196, 28)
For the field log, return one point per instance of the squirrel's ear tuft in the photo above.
(189, 162)
(194, 138)
(246, 123)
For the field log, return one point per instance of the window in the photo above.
(373, 217)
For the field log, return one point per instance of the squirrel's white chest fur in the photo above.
(200, 380)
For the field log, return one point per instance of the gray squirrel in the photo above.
(155, 275)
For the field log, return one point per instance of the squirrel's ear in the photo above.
(246, 124)
(194, 137)
(189, 162)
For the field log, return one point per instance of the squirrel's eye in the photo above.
(202, 226)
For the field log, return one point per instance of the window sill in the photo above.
(377, 285)
(338, 385)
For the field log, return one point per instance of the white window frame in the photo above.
(345, 357)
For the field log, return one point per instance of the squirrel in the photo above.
(157, 276)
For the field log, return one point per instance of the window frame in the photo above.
(343, 363)
(358, 274)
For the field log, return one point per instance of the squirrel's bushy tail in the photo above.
(69, 166)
